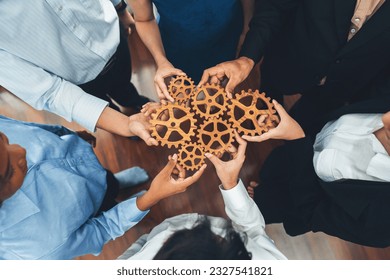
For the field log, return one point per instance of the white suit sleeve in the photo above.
(45, 91)
(246, 217)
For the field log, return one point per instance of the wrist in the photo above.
(246, 62)
(229, 184)
(121, 7)
(146, 201)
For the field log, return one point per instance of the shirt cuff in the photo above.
(235, 197)
(87, 111)
(379, 167)
(115, 2)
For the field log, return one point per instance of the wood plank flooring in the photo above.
(117, 153)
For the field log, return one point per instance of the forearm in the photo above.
(268, 18)
(148, 29)
(43, 90)
(151, 37)
(115, 122)
(248, 7)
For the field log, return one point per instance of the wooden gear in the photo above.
(215, 135)
(191, 156)
(181, 88)
(245, 110)
(209, 101)
(173, 124)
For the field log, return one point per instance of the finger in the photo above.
(214, 160)
(231, 85)
(170, 165)
(163, 89)
(160, 95)
(181, 170)
(192, 179)
(214, 80)
(279, 108)
(205, 78)
(260, 138)
(261, 119)
(242, 144)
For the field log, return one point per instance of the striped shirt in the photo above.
(48, 47)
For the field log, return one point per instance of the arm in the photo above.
(248, 7)
(45, 91)
(239, 207)
(90, 237)
(268, 18)
(149, 33)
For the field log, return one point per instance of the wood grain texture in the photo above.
(117, 153)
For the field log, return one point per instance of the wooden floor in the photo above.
(117, 153)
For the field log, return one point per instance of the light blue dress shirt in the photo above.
(48, 47)
(52, 215)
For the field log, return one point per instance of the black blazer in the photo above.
(304, 40)
(353, 210)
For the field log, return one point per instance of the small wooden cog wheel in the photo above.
(246, 108)
(191, 156)
(216, 136)
(181, 88)
(173, 124)
(209, 101)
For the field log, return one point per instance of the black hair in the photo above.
(200, 243)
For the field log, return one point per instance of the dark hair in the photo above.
(200, 243)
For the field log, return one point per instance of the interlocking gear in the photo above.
(215, 135)
(209, 101)
(173, 125)
(245, 110)
(191, 156)
(181, 88)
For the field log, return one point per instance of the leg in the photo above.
(120, 87)
(111, 193)
(272, 195)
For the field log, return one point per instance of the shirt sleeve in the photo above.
(267, 20)
(45, 91)
(379, 167)
(115, 2)
(243, 211)
(90, 238)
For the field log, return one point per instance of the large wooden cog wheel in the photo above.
(191, 156)
(181, 88)
(173, 125)
(209, 101)
(246, 109)
(216, 136)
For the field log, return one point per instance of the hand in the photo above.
(228, 171)
(236, 71)
(88, 137)
(151, 107)
(127, 20)
(164, 185)
(163, 71)
(288, 128)
(139, 125)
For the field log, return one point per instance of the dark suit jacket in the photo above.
(353, 210)
(304, 40)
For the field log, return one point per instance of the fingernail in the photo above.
(207, 155)
(174, 157)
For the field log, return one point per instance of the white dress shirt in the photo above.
(47, 47)
(348, 149)
(240, 208)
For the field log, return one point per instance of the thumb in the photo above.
(214, 160)
(170, 165)
(230, 86)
